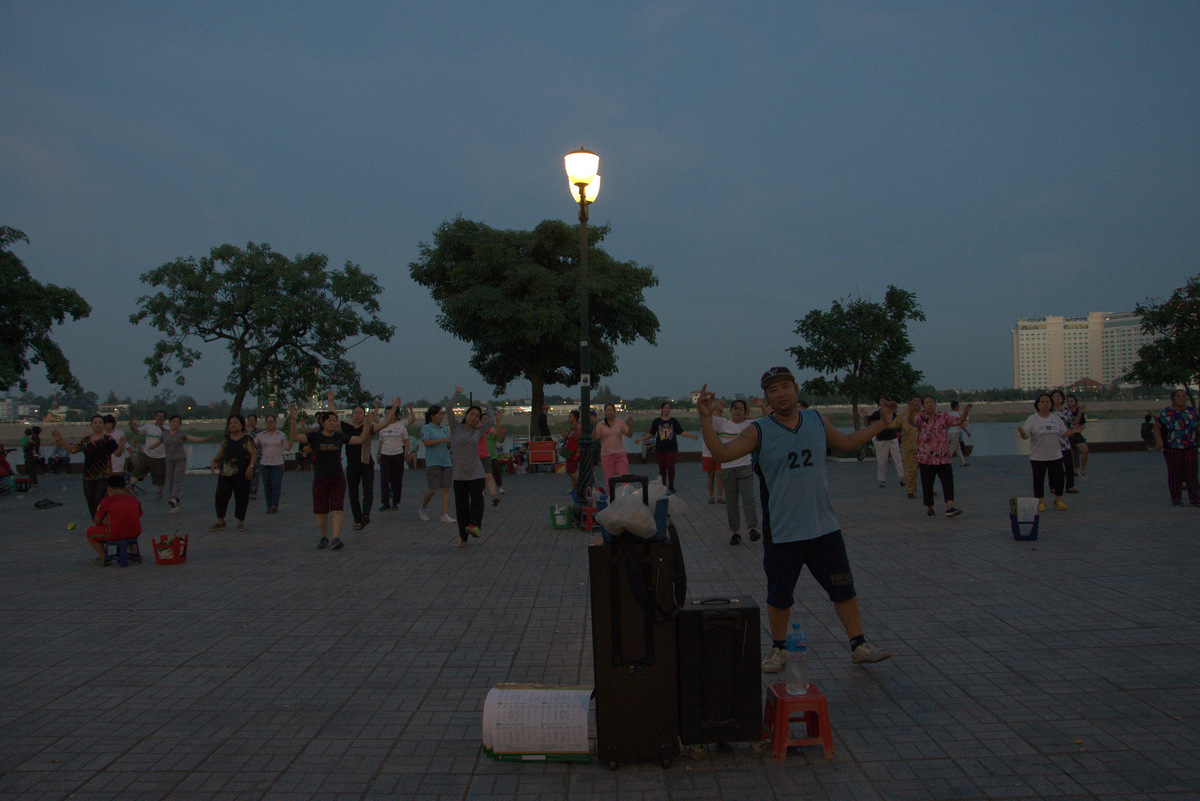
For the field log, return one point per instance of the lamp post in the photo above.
(584, 185)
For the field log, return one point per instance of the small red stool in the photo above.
(23, 483)
(783, 708)
(586, 523)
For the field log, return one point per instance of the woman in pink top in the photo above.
(611, 433)
(933, 452)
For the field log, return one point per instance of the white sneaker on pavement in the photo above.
(774, 661)
(424, 515)
(449, 519)
(867, 653)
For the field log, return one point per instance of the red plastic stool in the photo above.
(783, 708)
(586, 523)
(23, 483)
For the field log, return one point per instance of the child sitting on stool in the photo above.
(118, 517)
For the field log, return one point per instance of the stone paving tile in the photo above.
(264, 668)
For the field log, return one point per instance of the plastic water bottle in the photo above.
(797, 661)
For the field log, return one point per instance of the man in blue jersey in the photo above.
(799, 526)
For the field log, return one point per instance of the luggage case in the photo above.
(637, 587)
(720, 680)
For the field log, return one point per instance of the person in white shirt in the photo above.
(152, 458)
(1044, 429)
(394, 450)
(737, 476)
(118, 459)
(271, 443)
(954, 434)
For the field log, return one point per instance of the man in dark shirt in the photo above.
(887, 443)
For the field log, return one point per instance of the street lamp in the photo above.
(584, 185)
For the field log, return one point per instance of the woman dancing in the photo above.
(174, 439)
(1175, 435)
(1044, 429)
(235, 459)
(329, 482)
(468, 470)
(933, 452)
(98, 449)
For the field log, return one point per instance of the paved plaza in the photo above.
(1066, 668)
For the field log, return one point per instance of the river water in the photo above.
(989, 439)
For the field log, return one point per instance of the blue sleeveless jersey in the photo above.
(793, 487)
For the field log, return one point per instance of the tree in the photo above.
(85, 402)
(604, 394)
(1174, 358)
(28, 309)
(864, 346)
(284, 322)
(514, 296)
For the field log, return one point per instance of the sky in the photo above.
(1000, 160)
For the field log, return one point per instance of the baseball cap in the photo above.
(774, 374)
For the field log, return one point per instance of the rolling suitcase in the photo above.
(720, 680)
(637, 587)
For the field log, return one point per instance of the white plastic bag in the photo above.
(628, 513)
(657, 491)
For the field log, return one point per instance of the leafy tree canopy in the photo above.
(1174, 359)
(514, 296)
(28, 309)
(860, 348)
(285, 322)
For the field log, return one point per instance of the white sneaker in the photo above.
(867, 653)
(174, 509)
(502, 492)
(449, 519)
(775, 660)
(424, 515)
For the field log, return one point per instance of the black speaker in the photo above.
(720, 678)
(633, 644)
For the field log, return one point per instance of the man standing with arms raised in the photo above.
(799, 526)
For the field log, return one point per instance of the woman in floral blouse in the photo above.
(933, 452)
(1175, 436)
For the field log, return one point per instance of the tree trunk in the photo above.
(537, 400)
(239, 396)
(854, 411)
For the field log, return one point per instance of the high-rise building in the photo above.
(1058, 351)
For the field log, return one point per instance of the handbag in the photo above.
(566, 453)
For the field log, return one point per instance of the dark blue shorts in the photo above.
(826, 559)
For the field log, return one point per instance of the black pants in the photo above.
(468, 505)
(1068, 466)
(391, 478)
(1055, 468)
(358, 473)
(94, 491)
(237, 487)
(498, 470)
(941, 471)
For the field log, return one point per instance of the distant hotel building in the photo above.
(1058, 351)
